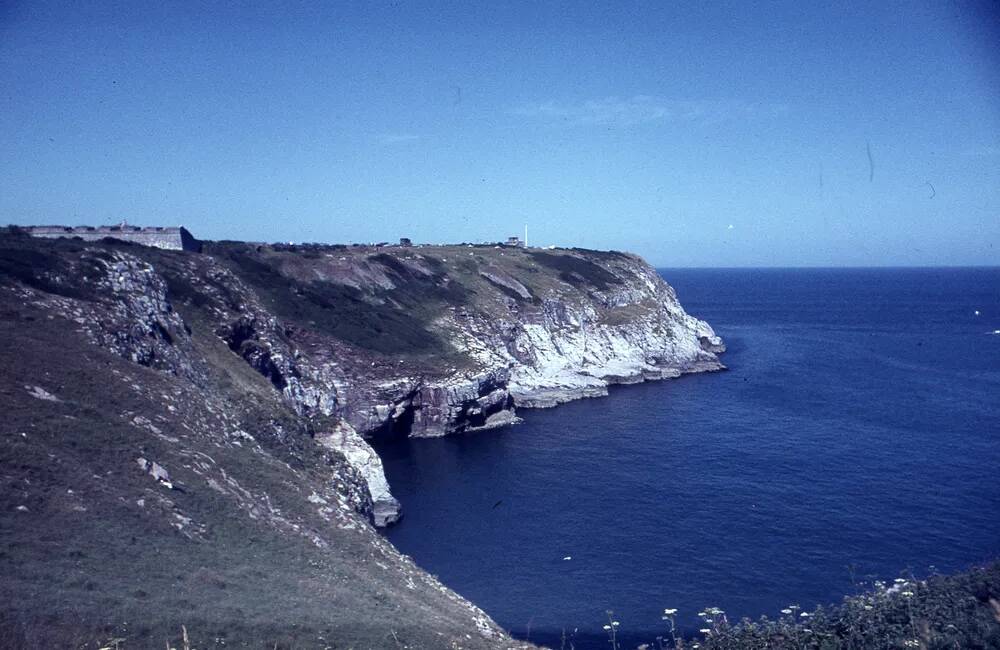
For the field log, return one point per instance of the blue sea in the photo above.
(855, 436)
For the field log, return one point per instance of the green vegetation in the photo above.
(50, 265)
(415, 290)
(957, 611)
(38, 270)
(336, 309)
(626, 314)
(181, 290)
(576, 270)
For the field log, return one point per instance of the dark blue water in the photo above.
(855, 436)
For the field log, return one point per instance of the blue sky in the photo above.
(697, 134)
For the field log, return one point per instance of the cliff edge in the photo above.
(435, 340)
(205, 416)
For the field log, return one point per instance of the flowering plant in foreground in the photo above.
(961, 611)
(668, 615)
(939, 613)
(612, 629)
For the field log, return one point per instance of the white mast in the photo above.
(525, 235)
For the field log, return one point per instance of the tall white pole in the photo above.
(525, 235)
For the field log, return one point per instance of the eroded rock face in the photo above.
(345, 440)
(135, 319)
(574, 354)
(569, 346)
(421, 342)
(464, 404)
(542, 347)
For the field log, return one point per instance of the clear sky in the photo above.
(696, 134)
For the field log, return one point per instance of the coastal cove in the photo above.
(500, 326)
(854, 438)
(229, 393)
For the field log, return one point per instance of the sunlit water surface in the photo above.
(855, 436)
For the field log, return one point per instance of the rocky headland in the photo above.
(206, 416)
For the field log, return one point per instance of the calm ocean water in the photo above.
(855, 436)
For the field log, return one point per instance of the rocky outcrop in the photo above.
(346, 441)
(138, 321)
(568, 346)
(421, 342)
(463, 404)
(574, 352)
(538, 348)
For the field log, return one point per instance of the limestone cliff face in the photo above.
(423, 341)
(359, 454)
(565, 338)
(579, 340)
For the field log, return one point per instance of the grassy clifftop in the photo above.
(386, 300)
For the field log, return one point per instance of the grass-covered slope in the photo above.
(154, 478)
